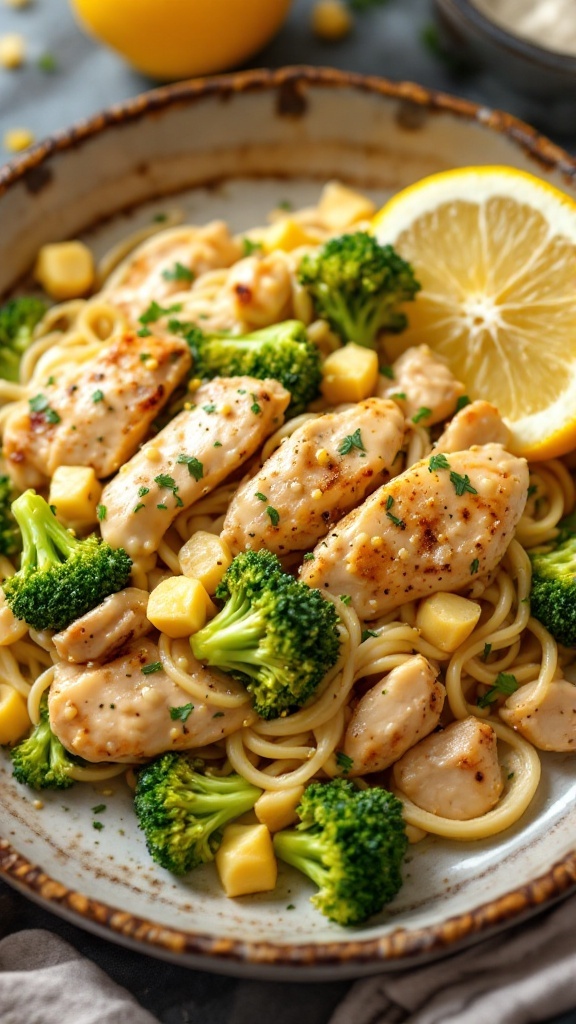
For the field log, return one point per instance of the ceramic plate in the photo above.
(232, 148)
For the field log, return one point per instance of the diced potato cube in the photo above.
(75, 492)
(277, 808)
(178, 606)
(11, 628)
(340, 207)
(246, 861)
(446, 620)
(331, 19)
(65, 269)
(287, 234)
(14, 718)
(349, 374)
(205, 557)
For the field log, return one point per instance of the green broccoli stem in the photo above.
(235, 629)
(45, 542)
(304, 851)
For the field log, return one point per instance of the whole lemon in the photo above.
(171, 39)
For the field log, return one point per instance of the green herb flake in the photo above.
(308, 557)
(155, 312)
(144, 333)
(98, 396)
(97, 825)
(161, 506)
(285, 204)
(438, 462)
(218, 714)
(249, 247)
(366, 634)
(260, 496)
(51, 416)
(422, 414)
(462, 484)
(160, 218)
(346, 599)
(397, 522)
(211, 407)
(99, 808)
(152, 666)
(344, 762)
(51, 380)
(474, 566)
(48, 63)
(386, 371)
(274, 515)
(399, 395)
(142, 491)
(138, 507)
(505, 684)
(389, 501)
(217, 444)
(255, 408)
(290, 907)
(39, 403)
(144, 357)
(533, 489)
(101, 513)
(351, 441)
(195, 467)
(486, 652)
(178, 273)
(182, 713)
(462, 402)
(164, 480)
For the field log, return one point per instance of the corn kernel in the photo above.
(152, 453)
(65, 269)
(151, 364)
(14, 719)
(17, 139)
(245, 860)
(331, 20)
(447, 620)
(12, 50)
(316, 494)
(323, 457)
(76, 493)
(194, 384)
(349, 374)
(205, 557)
(225, 409)
(340, 207)
(277, 808)
(178, 606)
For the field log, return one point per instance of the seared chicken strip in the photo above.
(396, 713)
(424, 378)
(549, 724)
(429, 529)
(118, 712)
(315, 477)
(230, 419)
(101, 633)
(454, 773)
(477, 423)
(98, 415)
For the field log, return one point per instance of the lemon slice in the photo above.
(494, 249)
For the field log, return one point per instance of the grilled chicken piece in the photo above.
(477, 423)
(101, 633)
(231, 418)
(260, 289)
(399, 710)
(550, 724)
(454, 773)
(314, 478)
(98, 415)
(117, 712)
(425, 379)
(151, 271)
(427, 530)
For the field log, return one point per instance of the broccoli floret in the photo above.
(553, 594)
(10, 536)
(275, 634)
(358, 285)
(183, 810)
(351, 843)
(18, 318)
(282, 352)
(40, 761)
(60, 578)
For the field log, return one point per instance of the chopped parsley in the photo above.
(217, 444)
(218, 714)
(260, 496)
(41, 404)
(195, 467)
(138, 507)
(178, 273)
(48, 63)
(99, 808)
(505, 684)
(387, 371)
(142, 491)
(346, 599)
(366, 634)
(462, 484)
(351, 441)
(152, 666)
(397, 522)
(438, 462)
(308, 557)
(474, 566)
(462, 402)
(249, 247)
(164, 480)
(401, 395)
(97, 825)
(274, 515)
(486, 652)
(161, 506)
(344, 762)
(101, 512)
(255, 408)
(155, 312)
(211, 407)
(422, 414)
(182, 713)
(144, 357)
(389, 502)
(98, 396)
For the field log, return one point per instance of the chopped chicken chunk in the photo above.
(424, 378)
(477, 423)
(315, 477)
(231, 418)
(260, 290)
(118, 712)
(427, 530)
(399, 710)
(551, 723)
(101, 633)
(98, 414)
(454, 773)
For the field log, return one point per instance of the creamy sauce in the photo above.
(548, 23)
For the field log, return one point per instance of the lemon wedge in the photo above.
(494, 249)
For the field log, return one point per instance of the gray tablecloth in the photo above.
(387, 41)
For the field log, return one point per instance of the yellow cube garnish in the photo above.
(178, 606)
(65, 269)
(277, 808)
(75, 491)
(287, 234)
(349, 374)
(447, 620)
(245, 861)
(340, 207)
(205, 557)
(14, 719)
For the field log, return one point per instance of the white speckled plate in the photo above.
(232, 147)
